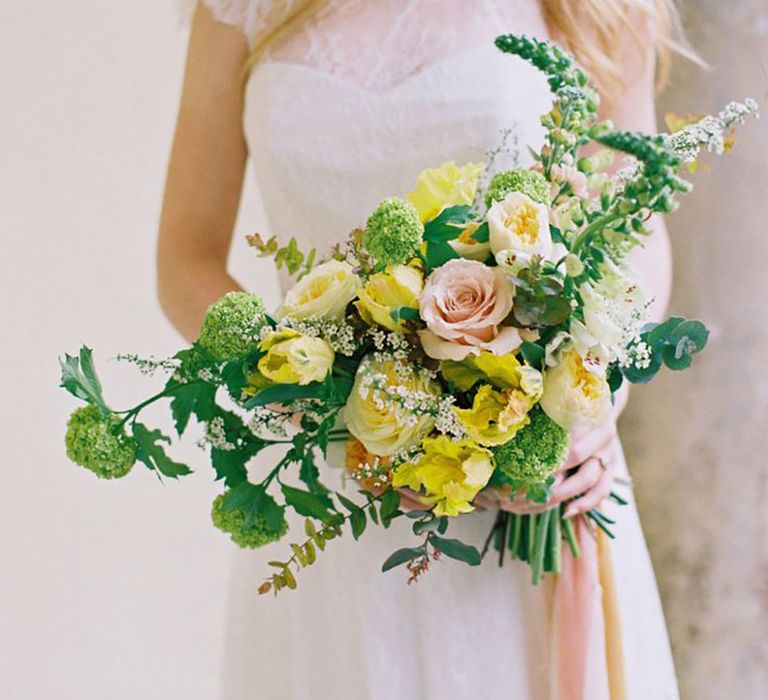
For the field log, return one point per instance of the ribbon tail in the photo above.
(587, 660)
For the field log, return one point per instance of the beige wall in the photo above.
(107, 590)
(118, 591)
(698, 442)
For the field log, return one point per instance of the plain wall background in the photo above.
(107, 590)
(118, 590)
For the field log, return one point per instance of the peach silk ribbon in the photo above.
(587, 658)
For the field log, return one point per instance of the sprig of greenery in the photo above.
(295, 261)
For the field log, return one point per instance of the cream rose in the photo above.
(464, 304)
(574, 395)
(381, 422)
(519, 229)
(323, 293)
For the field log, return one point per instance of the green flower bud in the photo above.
(536, 452)
(231, 326)
(393, 233)
(96, 443)
(233, 522)
(529, 182)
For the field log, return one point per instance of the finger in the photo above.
(592, 499)
(584, 479)
(586, 444)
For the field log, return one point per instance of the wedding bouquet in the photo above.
(449, 346)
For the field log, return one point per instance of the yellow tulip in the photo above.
(445, 186)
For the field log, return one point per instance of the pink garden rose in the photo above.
(463, 305)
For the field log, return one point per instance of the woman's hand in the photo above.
(592, 457)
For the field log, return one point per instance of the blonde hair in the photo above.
(590, 29)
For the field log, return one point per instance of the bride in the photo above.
(339, 103)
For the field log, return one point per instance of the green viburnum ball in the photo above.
(394, 231)
(536, 451)
(232, 522)
(231, 326)
(529, 182)
(92, 443)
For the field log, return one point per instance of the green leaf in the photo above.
(659, 334)
(438, 254)
(482, 234)
(533, 354)
(390, 504)
(455, 549)
(79, 378)
(422, 526)
(285, 393)
(637, 375)
(673, 361)
(152, 453)
(196, 398)
(401, 556)
(311, 505)
(448, 224)
(694, 332)
(357, 519)
(254, 501)
(230, 465)
(404, 313)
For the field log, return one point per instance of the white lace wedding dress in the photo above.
(344, 111)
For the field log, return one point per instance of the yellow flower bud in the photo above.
(387, 291)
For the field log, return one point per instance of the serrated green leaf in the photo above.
(230, 465)
(152, 453)
(285, 393)
(79, 378)
(402, 556)
(455, 549)
(254, 501)
(196, 398)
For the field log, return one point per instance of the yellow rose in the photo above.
(574, 395)
(385, 425)
(323, 293)
(293, 358)
(451, 472)
(495, 416)
(445, 186)
(387, 291)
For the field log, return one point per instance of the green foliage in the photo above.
(150, 451)
(445, 227)
(393, 232)
(249, 515)
(536, 451)
(231, 326)
(196, 398)
(79, 378)
(539, 301)
(455, 549)
(528, 182)
(672, 343)
(99, 443)
(289, 256)
(533, 354)
(312, 505)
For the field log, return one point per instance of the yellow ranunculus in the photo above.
(451, 472)
(293, 358)
(387, 291)
(445, 186)
(383, 423)
(495, 416)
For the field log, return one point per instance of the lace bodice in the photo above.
(350, 108)
(376, 43)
